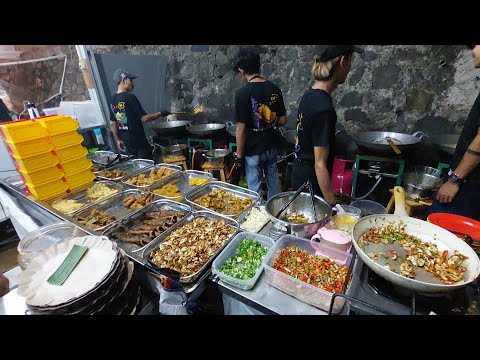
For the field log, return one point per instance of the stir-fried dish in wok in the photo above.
(408, 255)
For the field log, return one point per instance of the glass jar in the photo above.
(41, 239)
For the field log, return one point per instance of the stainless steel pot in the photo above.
(204, 129)
(376, 142)
(216, 157)
(446, 142)
(422, 182)
(176, 150)
(302, 204)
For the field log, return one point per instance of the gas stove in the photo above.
(370, 294)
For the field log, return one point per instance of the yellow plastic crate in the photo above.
(30, 148)
(48, 190)
(66, 140)
(75, 166)
(71, 153)
(21, 131)
(58, 124)
(36, 163)
(80, 179)
(41, 177)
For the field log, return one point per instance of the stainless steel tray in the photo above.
(127, 221)
(175, 168)
(182, 181)
(129, 167)
(153, 245)
(112, 205)
(80, 196)
(220, 185)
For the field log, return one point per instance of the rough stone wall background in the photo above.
(395, 87)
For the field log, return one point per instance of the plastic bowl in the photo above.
(369, 207)
(41, 239)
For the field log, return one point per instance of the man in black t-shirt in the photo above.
(316, 120)
(461, 193)
(127, 117)
(259, 108)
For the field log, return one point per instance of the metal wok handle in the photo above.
(420, 135)
(229, 123)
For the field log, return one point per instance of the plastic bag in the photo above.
(173, 299)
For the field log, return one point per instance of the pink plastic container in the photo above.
(342, 176)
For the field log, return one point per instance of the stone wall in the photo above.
(396, 87)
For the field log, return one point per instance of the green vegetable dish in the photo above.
(247, 260)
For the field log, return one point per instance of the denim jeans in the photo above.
(255, 165)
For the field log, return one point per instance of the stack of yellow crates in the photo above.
(33, 155)
(62, 134)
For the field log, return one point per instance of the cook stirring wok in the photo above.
(461, 193)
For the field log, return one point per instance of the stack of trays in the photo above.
(101, 283)
(62, 134)
(27, 142)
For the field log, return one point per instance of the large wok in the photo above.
(376, 142)
(204, 129)
(424, 283)
(170, 127)
(446, 142)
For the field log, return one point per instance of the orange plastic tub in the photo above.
(48, 190)
(29, 148)
(58, 124)
(75, 166)
(66, 140)
(71, 153)
(36, 163)
(21, 131)
(41, 177)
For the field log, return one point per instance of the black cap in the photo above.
(121, 74)
(329, 52)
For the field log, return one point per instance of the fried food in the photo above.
(67, 206)
(197, 181)
(297, 218)
(151, 177)
(99, 191)
(223, 202)
(96, 219)
(133, 202)
(168, 190)
(112, 174)
(189, 247)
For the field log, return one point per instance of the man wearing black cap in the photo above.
(316, 119)
(127, 117)
(461, 193)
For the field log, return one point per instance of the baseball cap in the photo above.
(121, 74)
(329, 52)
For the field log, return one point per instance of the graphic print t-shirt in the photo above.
(126, 111)
(255, 104)
(316, 122)
(470, 130)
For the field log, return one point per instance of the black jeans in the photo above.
(141, 152)
(303, 171)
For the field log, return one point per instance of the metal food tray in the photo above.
(80, 196)
(220, 185)
(175, 168)
(129, 167)
(157, 205)
(112, 205)
(182, 181)
(153, 245)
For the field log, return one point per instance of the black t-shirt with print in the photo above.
(315, 125)
(470, 130)
(127, 111)
(254, 103)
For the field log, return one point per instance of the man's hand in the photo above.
(330, 198)
(447, 192)
(240, 165)
(164, 113)
(121, 145)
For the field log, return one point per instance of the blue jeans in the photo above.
(255, 165)
(465, 203)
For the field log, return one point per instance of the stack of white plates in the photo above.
(101, 283)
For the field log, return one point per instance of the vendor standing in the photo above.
(314, 148)
(461, 193)
(127, 117)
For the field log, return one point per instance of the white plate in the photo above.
(94, 267)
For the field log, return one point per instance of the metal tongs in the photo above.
(308, 185)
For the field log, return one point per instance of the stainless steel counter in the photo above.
(265, 298)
